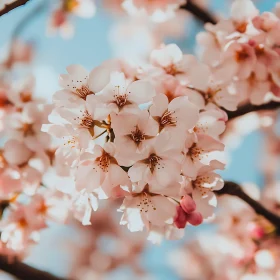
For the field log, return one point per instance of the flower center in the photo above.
(194, 152)
(104, 161)
(241, 55)
(4, 101)
(25, 96)
(83, 92)
(27, 129)
(153, 162)
(137, 136)
(199, 185)
(71, 141)
(86, 121)
(120, 100)
(171, 70)
(22, 223)
(145, 203)
(168, 119)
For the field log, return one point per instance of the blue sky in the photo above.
(89, 47)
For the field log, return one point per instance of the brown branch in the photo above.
(198, 12)
(23, 271)
(12, 6)
(247, 108)
(234, 189)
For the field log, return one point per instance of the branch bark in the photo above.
(247, 108)
(23, 271)
(12, 6)
(234, 189)
(198, 12)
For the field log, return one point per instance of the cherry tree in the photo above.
(134, 147)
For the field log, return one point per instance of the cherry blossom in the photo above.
(179, 113)
(198, 150)
(148, 205)
(159, 163)
(133, 134)
(203, 186)
(78, 84)
(121, 96)
(100, 169)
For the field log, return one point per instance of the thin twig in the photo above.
(12, 6)
(198, 12)
(234, 189)
(23, 271)
(248, 108)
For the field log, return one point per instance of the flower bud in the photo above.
(188, 204)
(180, 219)
(195, 218)
(255, 231)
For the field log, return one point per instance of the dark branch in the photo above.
(23, 271)
(12, 6)
(247, 108)
(234, 189)
(198, 12)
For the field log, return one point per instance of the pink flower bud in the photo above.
(256, 231)
(180, 219)
(188, 204)
(195, 218)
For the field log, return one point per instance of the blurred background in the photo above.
(111, 34)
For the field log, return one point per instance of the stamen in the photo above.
(154, 162)
(86, 121)
(137, 136)
(168, 119)
(104, 161)
(83, 92)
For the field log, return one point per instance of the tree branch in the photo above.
(12, 6)
(198, 12)
(247, 108)
(234, 189)
(23, 271)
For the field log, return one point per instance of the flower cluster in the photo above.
(25, 158)
(144, 134)
(244, 51)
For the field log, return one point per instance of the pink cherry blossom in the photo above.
(133, 133)
(211, 90)
(178, 114)
(79, 83)
(100, 169)
(121, 96)
(147, 204)
(171, 60)
(203, 186)
(211, 122)
(159, 163)
(198, 153)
